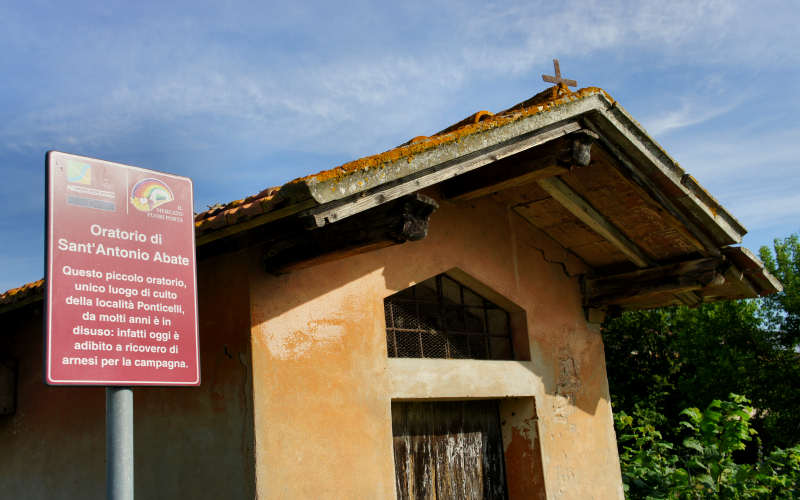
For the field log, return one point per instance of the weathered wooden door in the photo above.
(448, 450)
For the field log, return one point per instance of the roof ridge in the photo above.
(220, 215)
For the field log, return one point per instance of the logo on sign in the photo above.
(79, 172)
(85, 189)
(148, 194)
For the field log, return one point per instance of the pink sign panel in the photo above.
(121, 299)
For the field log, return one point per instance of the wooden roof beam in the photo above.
(683, 279)
(739, 279)
(690, 298)
(630, 171)
(401, 220)
(330, 211)
(519, 175)
(584, 211)
(549, 160)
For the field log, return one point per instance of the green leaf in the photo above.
(693, 413)
(694, 444)
(706, 481)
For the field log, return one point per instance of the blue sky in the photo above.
(245, 95)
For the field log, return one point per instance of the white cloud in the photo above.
(320, 103)
(742, 159)
(771, 208)
(690, 111)
(322, 79)
(513, 38)
(753, 173)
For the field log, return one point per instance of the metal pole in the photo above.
(119, 443)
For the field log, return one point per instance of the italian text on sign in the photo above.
(121, 299)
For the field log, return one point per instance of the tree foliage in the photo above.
(662, 361)
(703, 464)
(781, 311)
(677, 358)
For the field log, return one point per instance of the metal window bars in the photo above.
(441, 318)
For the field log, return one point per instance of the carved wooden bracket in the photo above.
(548, 160)
(581, 150)
(398, 221)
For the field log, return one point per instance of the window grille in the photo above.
(441, 318)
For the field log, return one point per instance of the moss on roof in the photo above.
(236, 211)
(229, 214)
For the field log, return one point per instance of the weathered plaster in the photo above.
(323, 383)
(523, 454)
(188, 442)
(461, 379)
(320, 421)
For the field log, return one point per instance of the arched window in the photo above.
(441, 318)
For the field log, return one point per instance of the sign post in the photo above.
(119, 443)
(121, 299)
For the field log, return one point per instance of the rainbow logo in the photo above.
(148, 194)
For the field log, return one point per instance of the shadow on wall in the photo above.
(493, 247)
(185, 438)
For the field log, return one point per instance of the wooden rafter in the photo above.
(690, 298)
(683, 280)
(395, 222)
(361, 201)
(502, 182)
(738, 278)
(548, 160)
(584, 211)
(627, 167)
(518, 170)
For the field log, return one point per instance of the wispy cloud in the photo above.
(306, 100)
(691, 111)
(741, 158)
(752, 172)
(207, 80)
(773, 208)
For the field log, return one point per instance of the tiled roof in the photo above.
(219, 216)
(269, 200)
(22, 295)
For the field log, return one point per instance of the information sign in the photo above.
(121, 300)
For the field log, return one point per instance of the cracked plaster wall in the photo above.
(188, 442)
(322, 388)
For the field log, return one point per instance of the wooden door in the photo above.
(448, 450)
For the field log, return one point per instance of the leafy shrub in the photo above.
(704, 465)
(673, 358)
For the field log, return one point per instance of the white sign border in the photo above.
(50, 156)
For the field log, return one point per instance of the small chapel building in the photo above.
(421, 323)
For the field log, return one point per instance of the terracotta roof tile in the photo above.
(251, 209)
(229, 214)
(21, 294)
(475, 123)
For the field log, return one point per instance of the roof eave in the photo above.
(613, 123)
(754, 270)
(419, 166)
(597, 111)
(336, 188)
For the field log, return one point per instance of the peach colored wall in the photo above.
(321, 384)
(189, 442)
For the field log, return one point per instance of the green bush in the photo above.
(673, 358)
(704, 465)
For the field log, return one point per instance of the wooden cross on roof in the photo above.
(558, 80)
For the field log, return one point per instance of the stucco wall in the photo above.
(189, 442)
(322, 383)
